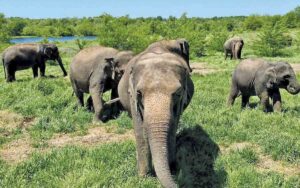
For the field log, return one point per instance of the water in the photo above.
(50, 39)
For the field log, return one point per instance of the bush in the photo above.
(271, 41)
(215, 41)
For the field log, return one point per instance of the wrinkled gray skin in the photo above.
(256, 77)
(155, 89)
(233, 47)
(24, 56)
(96, 70)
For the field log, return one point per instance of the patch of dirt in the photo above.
(202, 68)
(296, 67)
(20, 149)
(265, 162)
(17, 150)
(95, 136)
(11, 120)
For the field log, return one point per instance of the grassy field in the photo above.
(45, 141)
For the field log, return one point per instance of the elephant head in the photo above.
(238, 45)
(179, 47)
(118, 64)
(282, 75)
(160, 89)
(50, 52)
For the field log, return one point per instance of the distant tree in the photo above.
(292, 19)
(4, 33)
(253, 23)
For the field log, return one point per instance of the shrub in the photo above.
(271, 41)
(215, 41)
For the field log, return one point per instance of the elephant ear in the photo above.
(271, 78)
(185, 51)
(48, 51)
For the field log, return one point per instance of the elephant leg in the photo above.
(42, 67)
(233, 94)
(115, 107)
(78, 94)
(89, 104)
(35, 71)
(245, 100)
(276, 97)
(10, 74)
(96, 91)
(264, 100)
(225, 51)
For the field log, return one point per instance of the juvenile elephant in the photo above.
(96, 70)
(155, 89)
(233, 46)
(23, 56)
(256, 77)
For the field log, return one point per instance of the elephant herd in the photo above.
(154, 87)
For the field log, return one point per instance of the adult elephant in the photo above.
(233, 46)
(96, 70)
(155, 89)
(23, 56)
(258, 77)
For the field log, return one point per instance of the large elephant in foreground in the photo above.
(23, 56)
(155, 89)
(233, 46)
(96, 70)
(256, 77)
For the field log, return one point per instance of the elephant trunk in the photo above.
(158, 140)
(293, 88)
(158, 122)
(61, 65)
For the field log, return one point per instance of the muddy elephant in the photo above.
(257, 77)
(23, 56)
(233, 46)
(95, 70)
(155, 89)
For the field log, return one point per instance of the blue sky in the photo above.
(140, 8)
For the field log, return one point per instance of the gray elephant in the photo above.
(96, 70)
(23, 56)
(155, 89)
(256, 77)
(233, 46)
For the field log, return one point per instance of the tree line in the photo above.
(125, 33)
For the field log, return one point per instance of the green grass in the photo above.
(205, 127)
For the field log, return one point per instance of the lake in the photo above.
(50, 39)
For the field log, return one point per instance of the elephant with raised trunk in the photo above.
(24, 56)
(256, 77)
(95, 70)
(233, 46)
(155, 89)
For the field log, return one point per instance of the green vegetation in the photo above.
(208, 129)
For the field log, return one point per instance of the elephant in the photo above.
(155, 89)
(257, 77)
(233, 46)
(95, 70)
(23, 56)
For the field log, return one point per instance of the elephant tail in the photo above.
(4, 68)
